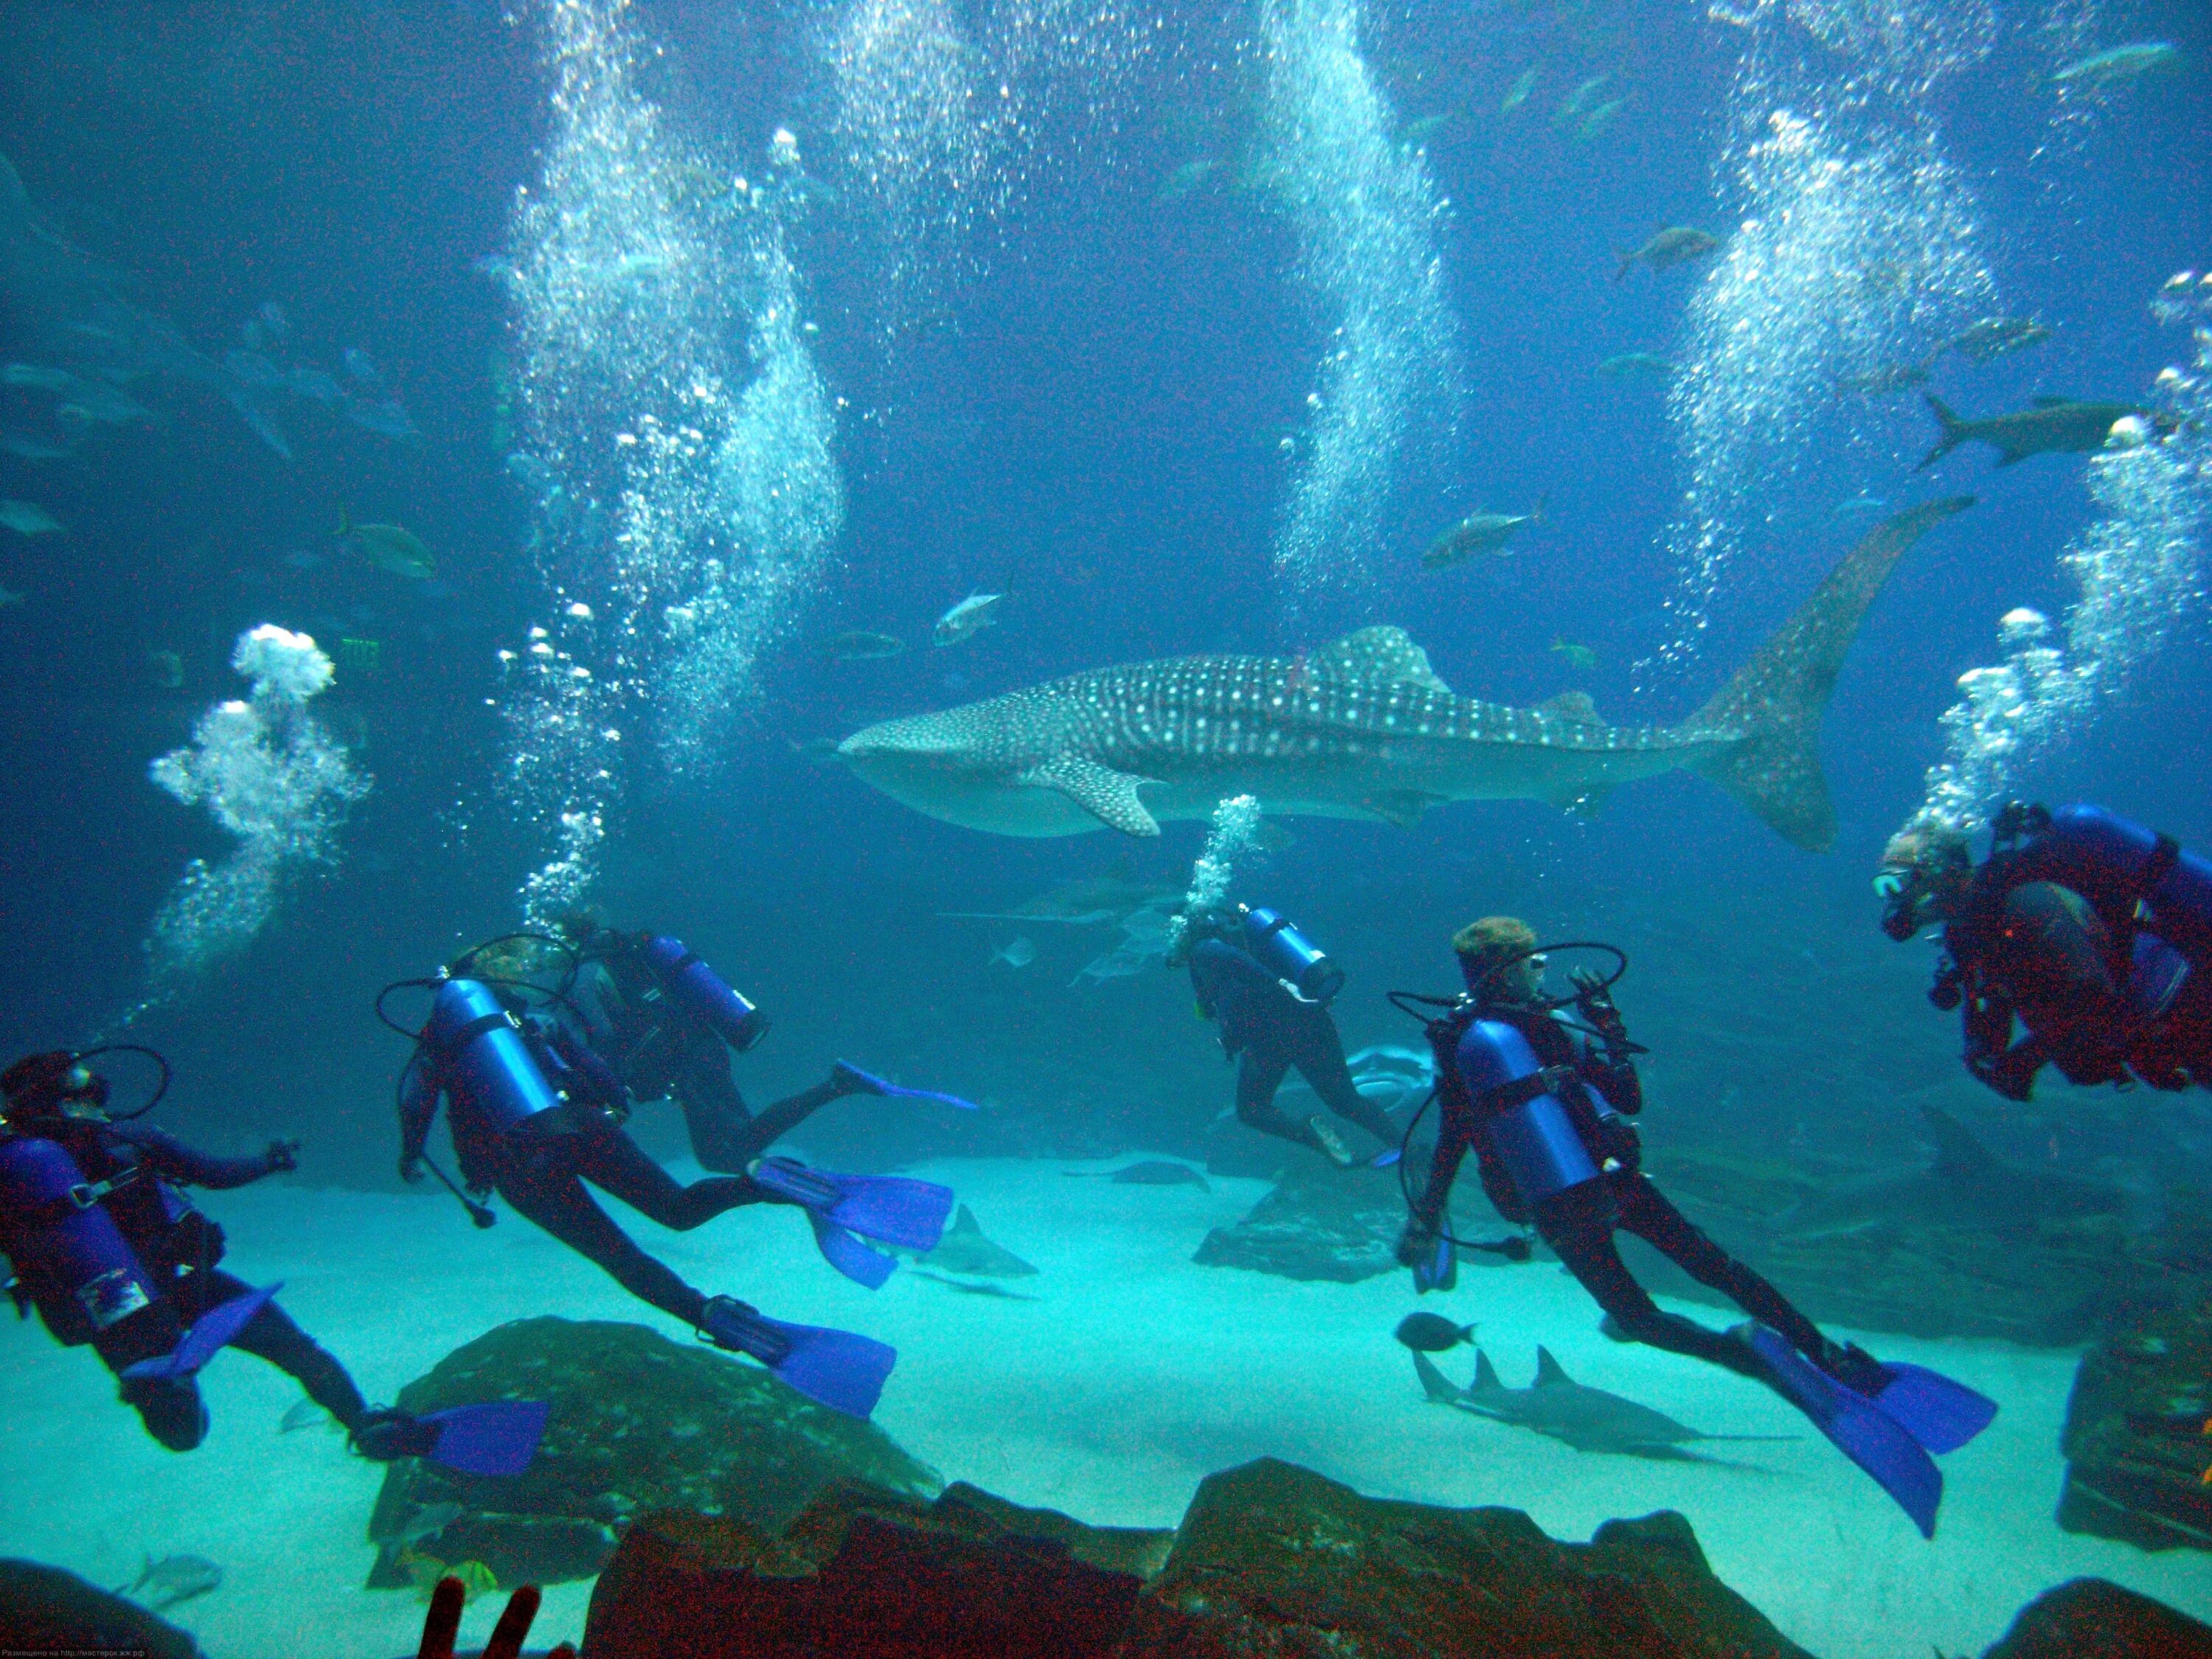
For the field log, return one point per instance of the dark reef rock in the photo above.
(1275, 1559)
(2092, 1618)
(1271, 1559)
(2134, 1449)
(45, 1610)
(868, 1575)
(638, 1423)
(1319, 1222)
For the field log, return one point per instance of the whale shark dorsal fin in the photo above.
(1109, 796)
(1548, 1373)
(963, 1221)
(1485, 1374)
(1385, 654)
(1575, 706)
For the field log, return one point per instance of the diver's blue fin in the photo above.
(1385, 1159)
(500, 1437)
(1439, 1269)
(1942, 1414)
(875, 1086)
(837, 1369)
(1859, 1429)
(893, 1209)
(212, 1332)
(849, 1255)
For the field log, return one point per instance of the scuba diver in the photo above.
(2088, 930)
(1544, 1102)
(1270, 989)
(535, 1115)
(616, 1001)
(114, 1256)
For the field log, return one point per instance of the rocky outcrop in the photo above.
(1318, 1222)
(2135, 1450)
(2094, 1619)
(638, 1423)
(45, 1610)
(1273, 1559)
(1270, 1560)
(863, 1574)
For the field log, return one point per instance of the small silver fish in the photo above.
(967, 618)
(27, 518)
(173, 1579)
(1017, 953)
(1118, 963)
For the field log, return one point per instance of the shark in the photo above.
(1588, 1419)
(1363, 728)
(964, 1250)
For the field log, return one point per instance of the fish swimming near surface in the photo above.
(1572, 106)
(1423, 128)
(860, 644)
(1427, 1333)
(1363, 728)
(1598, 120)
(1636, 366)
(29, 449)
(389, 547)
(1994, 336)
(1478, 533)
(1677, 244)
(1151, 1172)
(9, 598)
(1517, 93)
(1890, 377)
(975, 612)
(2117, 64)
(1588, 1419)
(1577, 656)
(2052, 426)
(28, 519)
(387, 415)
(964, 1250)
(1184, 179)
(173, 1580)
(1016, 953)
(39, 377)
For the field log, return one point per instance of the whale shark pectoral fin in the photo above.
(1402, 807)
(1109, 796)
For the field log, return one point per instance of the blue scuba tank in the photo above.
(1288, 954)
(72, 1259)
(2090, 849)
(1536, 1140)
(483, 1062)
(701, 992)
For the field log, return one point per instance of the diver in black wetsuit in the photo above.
(134, 1303)
(2090, 932)
(617, 1005)
(1564, 1157)
(1268, 1026)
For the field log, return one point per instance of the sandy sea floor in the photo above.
(1134, 1374)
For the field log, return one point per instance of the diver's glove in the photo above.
(283, 1155)
(1619, 1140)
(1593, 1002)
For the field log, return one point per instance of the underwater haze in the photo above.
(468, 463)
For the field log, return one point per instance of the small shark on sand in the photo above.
(1588, 1419)
(964, 1250)
(1152, 1172)
(1363, 728)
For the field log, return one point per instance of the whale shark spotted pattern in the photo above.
(1363, 728)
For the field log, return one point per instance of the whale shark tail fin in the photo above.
(1777, 699)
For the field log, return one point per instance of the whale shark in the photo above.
(1363, 728)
